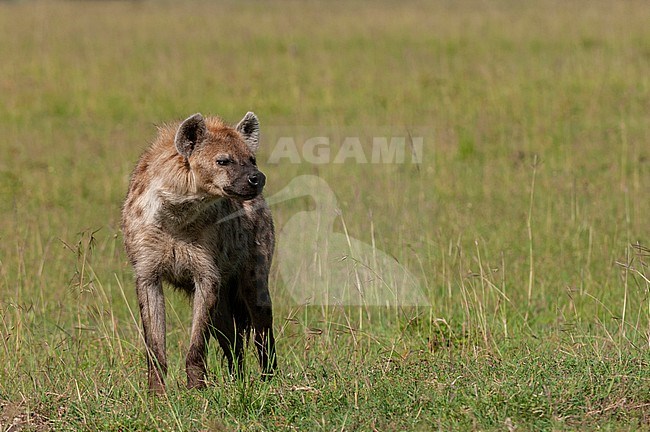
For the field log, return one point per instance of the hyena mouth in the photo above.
(248, 187)
(246, 194)
(243, 195)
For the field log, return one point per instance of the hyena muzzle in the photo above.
(194, 217)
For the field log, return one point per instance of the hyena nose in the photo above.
(254, 179)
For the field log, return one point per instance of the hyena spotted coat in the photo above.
(194, 217)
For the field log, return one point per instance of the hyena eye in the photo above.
(253, 160)
(223, 161)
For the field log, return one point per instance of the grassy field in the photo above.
(527, 219)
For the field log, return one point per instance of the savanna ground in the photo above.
(526, 220)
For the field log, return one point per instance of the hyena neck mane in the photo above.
(192, 212)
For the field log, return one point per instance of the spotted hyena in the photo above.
(194, 217)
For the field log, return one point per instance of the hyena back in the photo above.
(194, 217)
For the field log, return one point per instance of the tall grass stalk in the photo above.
(529, 228)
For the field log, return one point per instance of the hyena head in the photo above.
(222, 158)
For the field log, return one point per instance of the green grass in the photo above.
(523, 220)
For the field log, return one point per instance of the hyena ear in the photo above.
(249, 127)
(189, 134)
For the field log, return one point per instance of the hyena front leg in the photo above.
(230, 337)
(205, 299)
(255, 291)
(264, 340)
(152, 313)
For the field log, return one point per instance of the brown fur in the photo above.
(202, 225)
